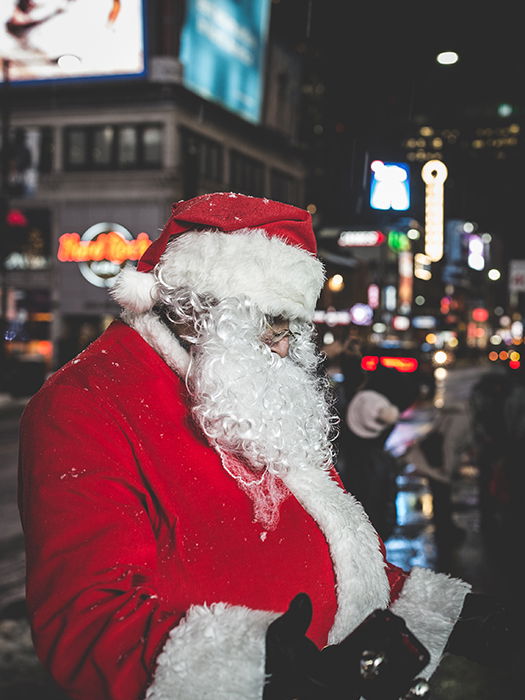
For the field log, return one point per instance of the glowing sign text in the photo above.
(107, 246)
(102, 251)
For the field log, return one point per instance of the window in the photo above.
(151, 145)
(77, 148)
(103, 146)
(113, 147)
(246, 174)
(127, 152)
(29, 155)
(206, 155)
(283, 187)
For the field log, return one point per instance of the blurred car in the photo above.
(403, 374)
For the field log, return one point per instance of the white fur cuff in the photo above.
(430, 604)
(216, 652)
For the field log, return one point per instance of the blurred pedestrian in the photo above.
(186, 534)
(370, 471)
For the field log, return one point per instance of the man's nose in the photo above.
(281, 347)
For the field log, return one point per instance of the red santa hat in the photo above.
(226, 244)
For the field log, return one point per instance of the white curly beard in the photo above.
(264, 414)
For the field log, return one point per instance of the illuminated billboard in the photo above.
(223, 45)
(69, 39)
(389, 186)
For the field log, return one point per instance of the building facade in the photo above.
(110, 156)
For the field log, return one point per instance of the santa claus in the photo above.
(177, 488)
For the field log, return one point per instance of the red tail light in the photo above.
(369, 362)
(402, 364)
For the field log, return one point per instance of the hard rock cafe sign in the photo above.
(102, 251)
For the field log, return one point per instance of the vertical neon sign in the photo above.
(434, 173)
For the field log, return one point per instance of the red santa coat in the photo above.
(147, 575)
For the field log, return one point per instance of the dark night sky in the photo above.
(376, 50)
(378, 63)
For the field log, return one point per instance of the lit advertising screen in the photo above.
(389, 186)
(222, 51)
(70, 39)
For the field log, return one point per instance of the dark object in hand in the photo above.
(379, 660)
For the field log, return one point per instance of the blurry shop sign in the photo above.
(360, 239)
(406, 281)
(390, 186)
(26, 243)
(517, 276)
(422, 266)
(223, 53)
(57, 39)
(359, 314)
(401, 323)
(332, 317)
(398, 241)
(424, 321)
(102, 251)
(480, 315)
(373, 296)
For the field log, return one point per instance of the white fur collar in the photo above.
(162, 340)
(352, 541)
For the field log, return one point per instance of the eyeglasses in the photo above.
(274, 337)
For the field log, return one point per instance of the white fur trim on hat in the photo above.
(369, 413)
(281, 279)
(134, 290)
(217, 651)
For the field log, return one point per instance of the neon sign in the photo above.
(102, 251)
(434, 173)
(398, 241)
(360, 239)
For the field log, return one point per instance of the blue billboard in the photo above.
(389, 186)
(223, 46)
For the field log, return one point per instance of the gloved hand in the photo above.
(486, 631)
(379, 660)
(293, 660)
